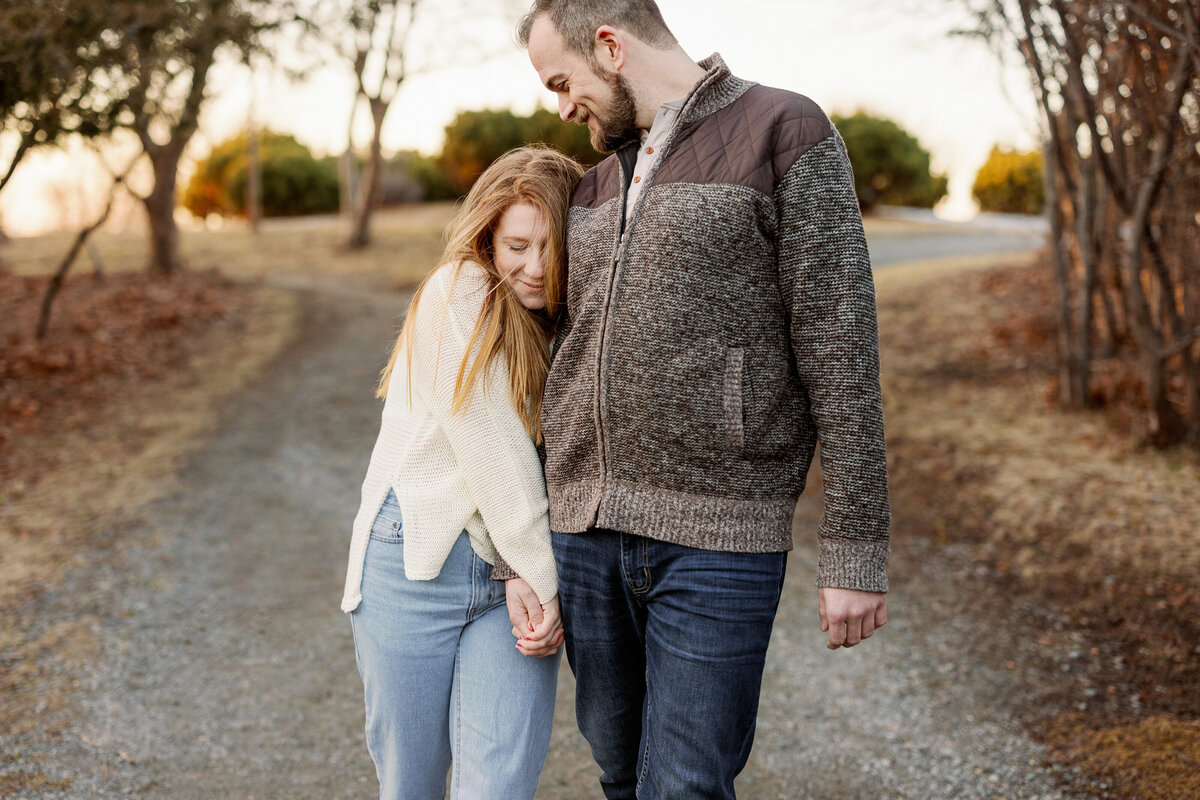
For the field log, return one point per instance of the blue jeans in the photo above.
(442, 679)
(667, 644)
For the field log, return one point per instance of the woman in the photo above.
(454, 480)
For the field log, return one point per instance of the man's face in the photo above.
(603, 102)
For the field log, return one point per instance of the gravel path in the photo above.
(226, 670)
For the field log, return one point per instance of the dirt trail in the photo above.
(225, 669)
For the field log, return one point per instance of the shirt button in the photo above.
(637, 179)
(649, 149)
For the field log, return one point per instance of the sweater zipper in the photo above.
(602, 350)
(624, 231)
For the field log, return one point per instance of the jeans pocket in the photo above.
(388, 526)
(732, 405)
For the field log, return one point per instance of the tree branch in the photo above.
(23, 148)
(1181, 345)
(1145, 16)
(64, 266)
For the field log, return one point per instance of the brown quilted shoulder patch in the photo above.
(751, 142)
(600, 184)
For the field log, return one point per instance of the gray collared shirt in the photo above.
(652, 141)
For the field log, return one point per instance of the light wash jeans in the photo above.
(443, 682)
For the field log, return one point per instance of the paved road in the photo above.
(227, 671)
(989, 233)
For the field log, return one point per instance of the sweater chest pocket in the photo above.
(731, 400)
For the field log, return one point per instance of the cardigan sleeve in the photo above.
(493, 452)
(826, 282)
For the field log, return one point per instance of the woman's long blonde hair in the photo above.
(544, 179)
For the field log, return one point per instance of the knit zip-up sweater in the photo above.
(475, 469)
(704, 356)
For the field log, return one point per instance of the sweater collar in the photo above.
(717, 89)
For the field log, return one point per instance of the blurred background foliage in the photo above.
(294, 182)
(1011, 182)
(890, 165)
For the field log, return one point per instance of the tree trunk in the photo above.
(360, 233)
(253, 181)
(1062, 285)
(346, 190)
(1089, 254)
(348, 172)
(4, 265)
(165, 258)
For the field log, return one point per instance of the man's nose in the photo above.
(566, 109)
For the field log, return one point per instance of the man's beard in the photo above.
(618, 124)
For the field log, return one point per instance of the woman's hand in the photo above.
(538, 627)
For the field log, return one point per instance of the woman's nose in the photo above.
(535, 267)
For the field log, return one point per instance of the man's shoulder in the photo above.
(599, 184)
(796, 117)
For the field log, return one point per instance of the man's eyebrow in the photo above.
(554, 80)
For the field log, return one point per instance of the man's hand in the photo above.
(538, 627)
(849, 616)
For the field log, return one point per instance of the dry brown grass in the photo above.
(1156, 757)
(1064, 510)
(407, 244)
(10, 782)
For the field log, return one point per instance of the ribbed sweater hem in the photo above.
(703, 521)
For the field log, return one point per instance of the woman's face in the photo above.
(520, 253)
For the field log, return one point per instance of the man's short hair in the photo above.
(577, 21)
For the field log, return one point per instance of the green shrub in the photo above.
(293, 181)
(474, 139)
(1011, 182)
(890, 166)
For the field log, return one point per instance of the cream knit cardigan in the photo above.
(475, 470)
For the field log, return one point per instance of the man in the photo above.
(720, 322)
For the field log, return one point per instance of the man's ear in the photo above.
(609, 47)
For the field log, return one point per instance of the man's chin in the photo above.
(603, 142)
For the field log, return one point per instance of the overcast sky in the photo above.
(898, 62)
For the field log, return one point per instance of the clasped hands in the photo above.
(538, 627)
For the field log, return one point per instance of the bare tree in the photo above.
(385, 43)
(172, 47)
(383, 27)
(1118, 82)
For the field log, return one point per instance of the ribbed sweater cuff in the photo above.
(850, 564)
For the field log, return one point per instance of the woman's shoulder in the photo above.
(459, 280)
(459, 287)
